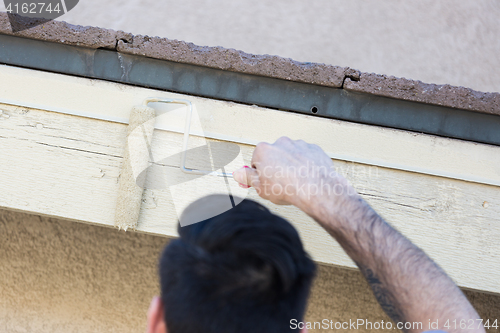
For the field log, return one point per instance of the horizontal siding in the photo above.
(342, 140)
(67, 166)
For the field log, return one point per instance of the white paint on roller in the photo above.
(135, 160)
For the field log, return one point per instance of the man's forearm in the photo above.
(406, 282)
(409, 286)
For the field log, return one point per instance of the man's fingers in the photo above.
(246, 176)
(260, 152)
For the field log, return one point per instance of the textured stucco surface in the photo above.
(60, 276)
(264, 65)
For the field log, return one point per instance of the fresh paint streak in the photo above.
(67, 166)
(342, 140)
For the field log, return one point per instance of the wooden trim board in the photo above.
(342, 140)
(67, 166)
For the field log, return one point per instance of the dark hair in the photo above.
(242, 271)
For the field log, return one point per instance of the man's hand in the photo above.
(294, 173)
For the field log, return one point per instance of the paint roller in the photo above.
(137, 156)
(135, 159)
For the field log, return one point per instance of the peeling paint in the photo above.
(149, 200)
(99, 173)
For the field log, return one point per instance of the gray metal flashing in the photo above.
(251, 89)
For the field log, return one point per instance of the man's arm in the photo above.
(409, 286)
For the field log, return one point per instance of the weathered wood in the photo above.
(67, 166)
(343, 140)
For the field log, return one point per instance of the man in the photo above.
(245, 270)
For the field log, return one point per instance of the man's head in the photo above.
(244, 270)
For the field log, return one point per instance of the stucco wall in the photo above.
(61, 276)
(445, 41)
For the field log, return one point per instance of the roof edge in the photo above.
(179, 51)
(418, 91)
(62, 32)
(261, 65)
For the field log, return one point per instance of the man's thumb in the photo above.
(246, 176)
